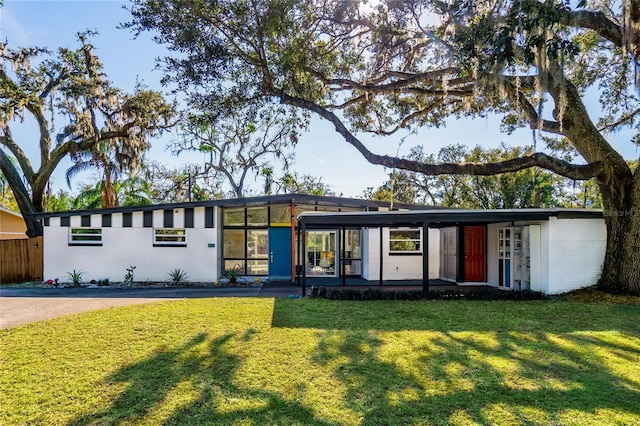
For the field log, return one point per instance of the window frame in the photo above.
(170, 243)
(85, 242)
(417, 241)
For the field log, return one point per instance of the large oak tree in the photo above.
(387, 65)
(77, 111)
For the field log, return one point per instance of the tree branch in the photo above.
(21, 156)
(588, 19)
(20, 193)
(561, 167)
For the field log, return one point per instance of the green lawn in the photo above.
(318, 362)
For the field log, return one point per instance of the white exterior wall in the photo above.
(492, 252)
(396, 267)
(125, 247)
(575, 253)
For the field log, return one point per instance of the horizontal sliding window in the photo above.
(169, 237)
(82, 236)
(404, 240)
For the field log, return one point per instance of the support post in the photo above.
(425, 257)
(303, 260)
(342, 255)
(381, 257)
(293, 240)
(299, 257)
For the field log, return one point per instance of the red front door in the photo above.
(474, 254)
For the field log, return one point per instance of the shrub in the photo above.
(178, 276)
(128, 277)
(233, 273)
(75, 277)
(456, 294)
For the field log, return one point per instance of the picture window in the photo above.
(170, 237)
(84, 236)
(405, 240)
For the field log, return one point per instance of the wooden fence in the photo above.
(21, 260)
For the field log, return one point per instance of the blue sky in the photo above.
(320, 152)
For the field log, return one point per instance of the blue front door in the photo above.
(280, 253)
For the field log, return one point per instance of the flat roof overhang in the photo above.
(438, 218)
(257, 201)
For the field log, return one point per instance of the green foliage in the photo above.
(75, 277)
(233, 273)
(128, 277)
(178, 277)
(95, 123)
(528, 188)
(378, 294)
(103, 282)
(238, 143)
(60, 201)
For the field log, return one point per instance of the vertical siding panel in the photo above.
(208, 217)
(188, 217)
(147, 219)
(167, 220)
(106, 220)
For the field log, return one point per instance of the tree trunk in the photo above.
(621, 269)
(21, 194)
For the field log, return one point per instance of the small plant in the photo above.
(233, 273)
(103, 282)
(128, 278)
(75, 277)
(178, 276)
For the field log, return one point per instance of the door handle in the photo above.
(271, 257)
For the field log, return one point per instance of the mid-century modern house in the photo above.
(548, 250)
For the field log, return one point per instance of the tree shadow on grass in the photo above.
(508, 378)
(209, 373)
(446, 316)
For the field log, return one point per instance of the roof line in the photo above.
(240, 202)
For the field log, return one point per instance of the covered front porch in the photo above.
(446, 247)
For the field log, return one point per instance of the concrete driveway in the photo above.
(26, 305)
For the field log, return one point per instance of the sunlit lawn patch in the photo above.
(318, 362)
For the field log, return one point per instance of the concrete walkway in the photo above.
(26, 305)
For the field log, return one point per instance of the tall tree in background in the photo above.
(529, 188)
(395, 64)
(72, 87)
(240, 144)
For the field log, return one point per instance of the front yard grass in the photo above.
(319, 362)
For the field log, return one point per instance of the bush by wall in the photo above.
(380, 294)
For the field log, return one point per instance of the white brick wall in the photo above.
(576, 249)
(397, 267)
(123, 247)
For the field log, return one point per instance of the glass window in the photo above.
(404, 240)
(257, 267)
(257, 243)
(281, 215)
(257, 216)
(234, 264)
(352, 267)
(171, 236)
(234, 243)
(233, 217)
(85, 235)
(352, 244)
